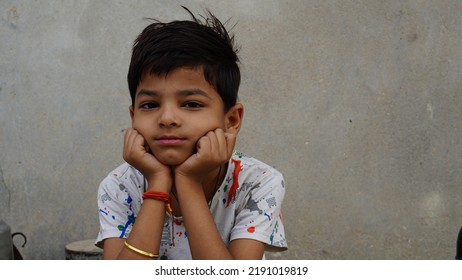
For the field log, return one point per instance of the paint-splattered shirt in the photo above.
(246, 205)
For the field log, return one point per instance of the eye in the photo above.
(193, 105)
(149, 105)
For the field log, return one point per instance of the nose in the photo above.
(168, 116)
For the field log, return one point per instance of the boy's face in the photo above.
(173, 112)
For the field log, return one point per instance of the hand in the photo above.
(137, 153)
(213, 149)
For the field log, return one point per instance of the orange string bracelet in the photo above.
(165, 197)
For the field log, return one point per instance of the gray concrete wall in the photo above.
(357, 102)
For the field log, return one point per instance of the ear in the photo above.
(132, 113)
(233, 118)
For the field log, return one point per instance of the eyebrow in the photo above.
(148, 93)
(181, 93)
(192, 92)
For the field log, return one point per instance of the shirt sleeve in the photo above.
(259, 215)
(116, 213)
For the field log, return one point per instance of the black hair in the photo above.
(164, 47)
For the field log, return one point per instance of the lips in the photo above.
(170, 140)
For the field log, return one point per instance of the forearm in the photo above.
(147, 230)
(204, 239)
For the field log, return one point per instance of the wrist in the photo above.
(181, 179)
(188, 184)
(160, 184)
(160, 196)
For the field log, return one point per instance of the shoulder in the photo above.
(252, 169)
(124, 178)
(256, 201)
(256, 179)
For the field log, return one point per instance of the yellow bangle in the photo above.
(141, 252)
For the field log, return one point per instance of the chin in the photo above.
(172, 160)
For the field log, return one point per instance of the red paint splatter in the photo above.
(251, 229)
(233, 189)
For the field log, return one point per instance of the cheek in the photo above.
(135, 125)
(141, 127)
(211, 123)
(206, 128)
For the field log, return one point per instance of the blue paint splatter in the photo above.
(130, 221)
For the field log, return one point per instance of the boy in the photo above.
(192, 197)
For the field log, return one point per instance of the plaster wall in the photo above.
(357, 103)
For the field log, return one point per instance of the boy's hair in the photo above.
(164, 47)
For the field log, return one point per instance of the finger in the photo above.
(147, 148)
(203, 145)
(127, 135)
(139, 142)
(231, 142)
(127, 142)
(133, 143)
(131, 136)
(214, 143)
(222, 144)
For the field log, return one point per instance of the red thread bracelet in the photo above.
(165, 197)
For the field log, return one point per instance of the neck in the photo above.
(213, 181)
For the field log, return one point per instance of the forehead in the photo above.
(183, 81)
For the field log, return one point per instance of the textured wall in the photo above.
(357, 102)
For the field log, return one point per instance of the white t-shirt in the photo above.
(249, 207)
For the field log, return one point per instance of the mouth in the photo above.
(170, 140)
